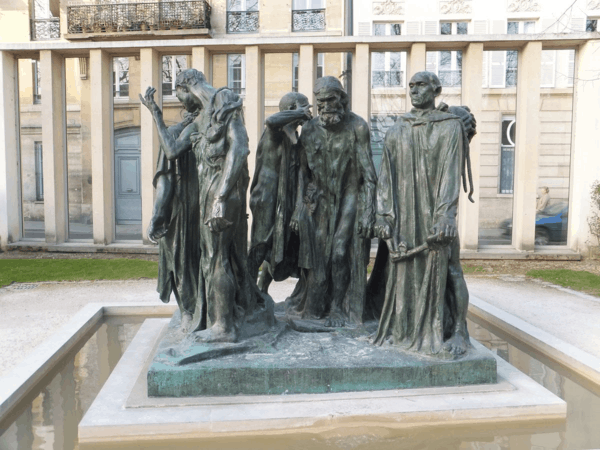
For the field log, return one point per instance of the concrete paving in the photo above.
(31, 313)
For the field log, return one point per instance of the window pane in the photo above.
(379, 29)
(395, 29)
(529, 28)
(445, 28)
(512, 58)
(513, 28)
(462, 28)
(591, 25)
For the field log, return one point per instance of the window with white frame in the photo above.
(171, 67)
(507, 155)
(121, 77)
(448, 64)
(37, 79)
(295, 58)
(512, 56)
(236, 73)
(387, 29)
(39, 171)
(591, 25)
(386, 69)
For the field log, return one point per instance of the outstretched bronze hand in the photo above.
(148, 99)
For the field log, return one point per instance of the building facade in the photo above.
(78, 165)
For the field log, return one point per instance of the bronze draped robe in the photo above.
(418, 187)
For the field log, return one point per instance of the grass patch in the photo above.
(37, 270)
(473, 269)
(575, 279)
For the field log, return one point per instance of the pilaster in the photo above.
(101, 101)
(527, 145)
(307, 71)
(54, 142)
(468, 213)
(10, 189)
(361, 95)
(417, 60)
(201, 61)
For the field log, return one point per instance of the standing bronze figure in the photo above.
(218, 146)
(335, 211)
(425, 299)
(273, 193)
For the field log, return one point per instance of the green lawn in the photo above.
(578, 280)
(35, 270)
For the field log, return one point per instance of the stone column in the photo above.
(585, 151)
(527, 145)
(361, 80)
(150, 64)
(54, 142)
(307, 72)
(201, 61)
(468, 213)
(417, 61)
(10, 188)
(101, 101)
(254, 105)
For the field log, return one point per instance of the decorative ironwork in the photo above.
(455, 7)
(523, 6)
(387, 78)
(45, 29)
(308, 19)
(388, 8)
(127, 17)
(242, 21)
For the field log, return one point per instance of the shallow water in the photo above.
(49, 419)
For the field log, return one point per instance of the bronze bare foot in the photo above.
(216, 333)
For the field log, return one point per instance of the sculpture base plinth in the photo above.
(285, 361)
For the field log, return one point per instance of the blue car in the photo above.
(550, 225)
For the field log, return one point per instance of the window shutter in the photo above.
(577, 24)
(364, 28)
(548, 68)
(498, 27)
(485, 70)
(549, 26)
(431, 62)
(431, 27)
(480, 27)
(413, 28)
(498, 69)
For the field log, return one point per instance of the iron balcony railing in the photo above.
(308, 19)
(143, 16)
(387, 78)
(242, 21)
(45, 29)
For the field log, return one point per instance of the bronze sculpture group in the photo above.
(316, 202)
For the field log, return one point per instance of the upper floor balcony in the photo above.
(135, 19)
(45, 29)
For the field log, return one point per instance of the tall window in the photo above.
(121, 77)
(242, 16)
(171, 67)
(387, 29)
(39, 171)
(507, 155)
(236, 73)
(308, 15)
(320, 64)
(448, 64)
(521, 27)
(37, 87)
